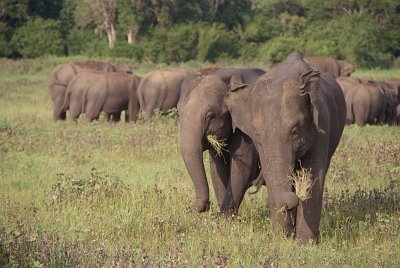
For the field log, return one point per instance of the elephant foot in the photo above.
(283, 220)
(307, 238)
(203, 206)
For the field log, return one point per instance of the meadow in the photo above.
(118, 195)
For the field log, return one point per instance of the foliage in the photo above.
(364, 32)
(36, 36)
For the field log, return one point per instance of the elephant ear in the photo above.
(236, 82)
(239, 106)
(310, 85)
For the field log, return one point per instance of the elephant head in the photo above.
(202, 112)
(346, 68)
(282, 114)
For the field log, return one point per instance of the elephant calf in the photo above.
(91, 93)
(203, 112)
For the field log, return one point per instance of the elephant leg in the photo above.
(58, 112)
(361, 115)
(133, 110)
(116, 117)
(75, 109)
(93, 109)
(309, 211)
(281, 219)
(244, 169)
(149, 109)
(126, 116)
(219, 169)
(108, 117)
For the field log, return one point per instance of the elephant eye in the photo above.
(209, 116)
(295, 132)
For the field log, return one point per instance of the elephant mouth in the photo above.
(219, 145)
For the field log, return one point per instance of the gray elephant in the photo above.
(295, 116)
(202, 113)
(160, 89)
(63, 74)
(93, 92)
(325, 64)
(366, 104)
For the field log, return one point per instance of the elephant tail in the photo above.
(257, 183)
(66, 100)
(350, 113)
(142, 102)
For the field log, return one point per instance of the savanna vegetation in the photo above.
(103, 194)
(364, 32)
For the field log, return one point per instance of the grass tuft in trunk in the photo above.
(218, 145)
(302, 183)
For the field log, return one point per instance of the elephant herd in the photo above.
(371, 101)
(271, 124)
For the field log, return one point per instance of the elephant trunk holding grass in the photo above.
(295, 116)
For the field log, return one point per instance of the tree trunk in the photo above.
(130, 37)
(111, 37)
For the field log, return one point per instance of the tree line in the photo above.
(364, 32)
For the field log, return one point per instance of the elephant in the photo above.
(348, 83)
(202, 112)
(366, 104)
(62, 75)
(249, 75)
(325, 64)
(345, 68)
(295, 116)
(93, 92)
(160, 89)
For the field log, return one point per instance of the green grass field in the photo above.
(101, 194)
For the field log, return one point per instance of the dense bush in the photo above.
(38, 37)
(366, 33)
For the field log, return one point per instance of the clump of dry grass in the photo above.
(218, 145)
(302, 183)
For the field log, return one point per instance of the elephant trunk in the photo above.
(192, 154)
(277, 173)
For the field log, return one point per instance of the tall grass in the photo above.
(102, 194)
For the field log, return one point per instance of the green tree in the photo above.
(130, 18)
(97, 14)
(38, 37)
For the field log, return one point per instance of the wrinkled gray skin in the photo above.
(160, 89)
(249, 75)
(295, 116)
(93, 92)
(366, 104)
(325, 64)
(202, 111)
(63, 74)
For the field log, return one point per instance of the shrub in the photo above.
(215, 43)
(38, 37)
(278, 48)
